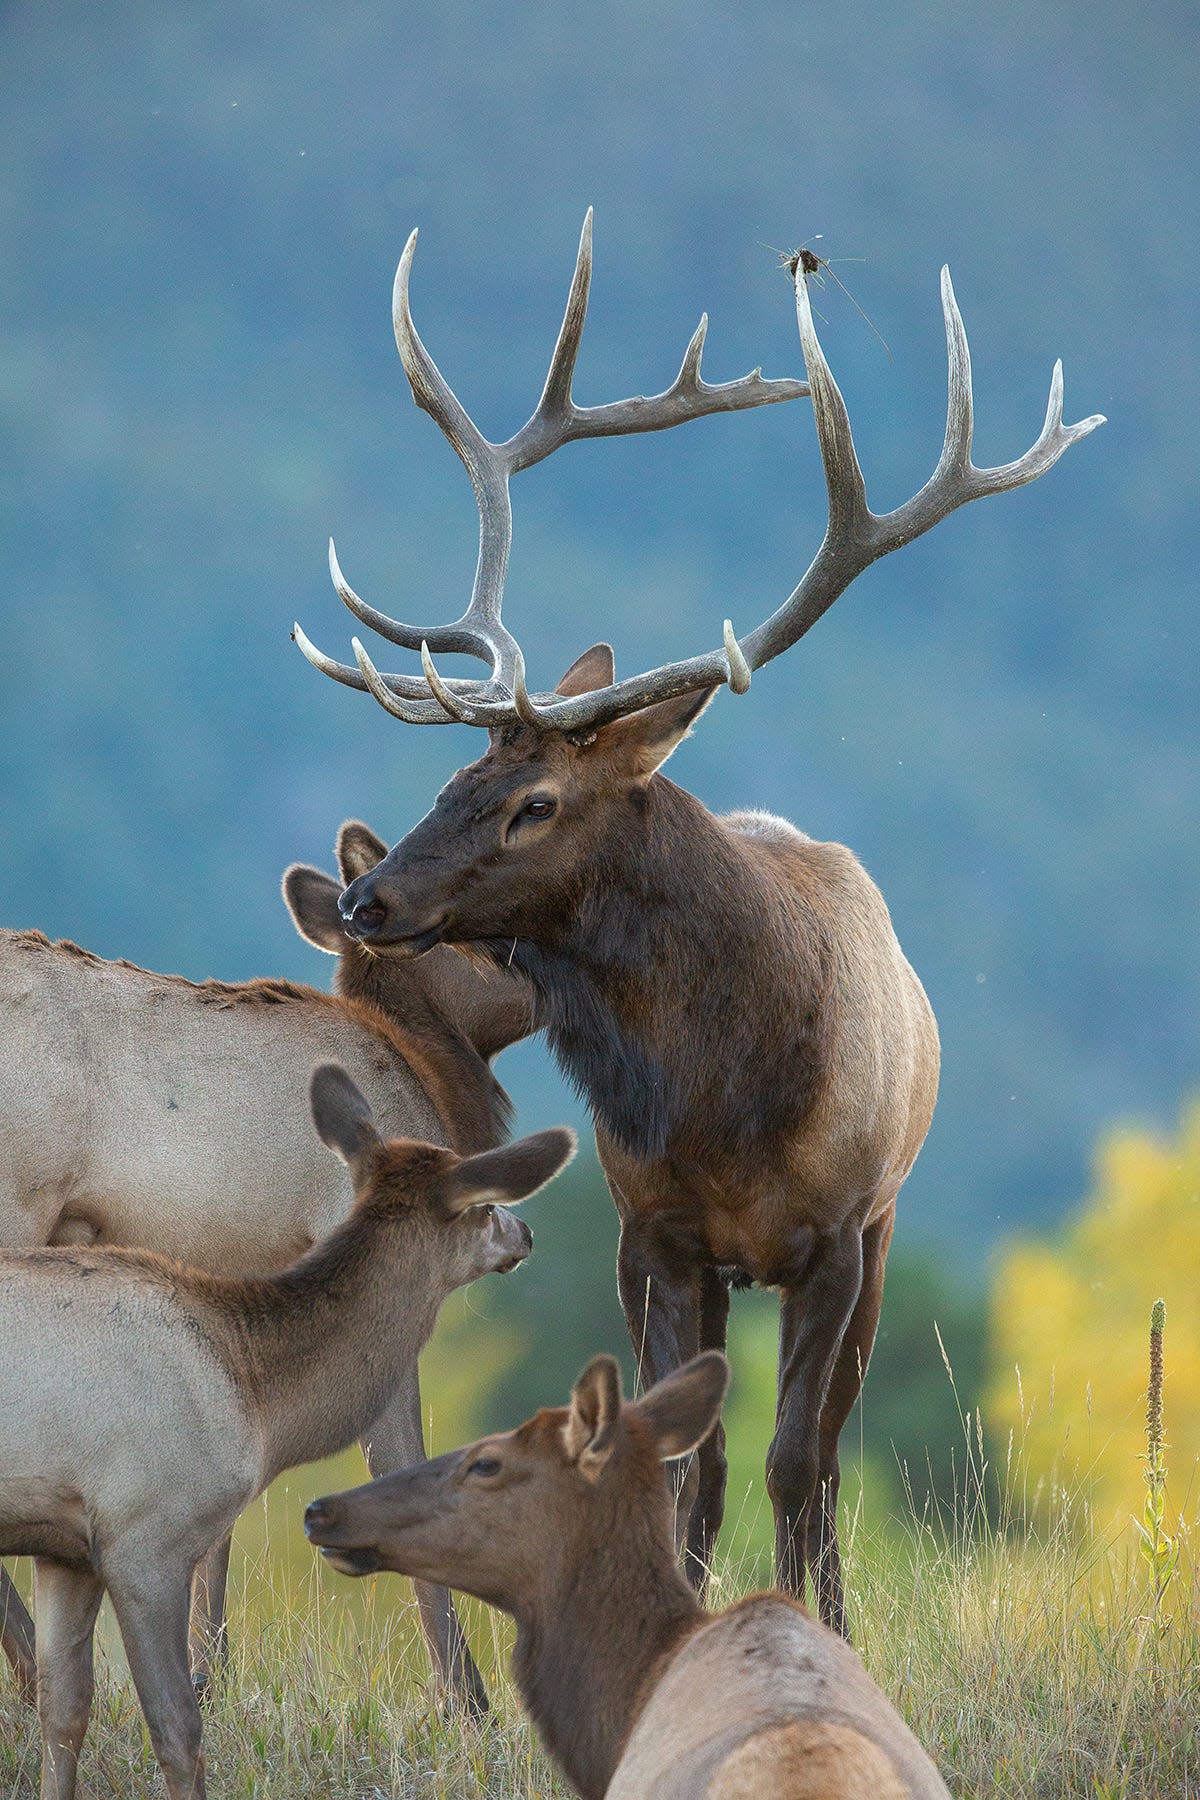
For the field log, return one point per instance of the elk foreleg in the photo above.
(397, 1441)
(816, 1310)
(17, 1638)
(659, 1278)
(67, 1603)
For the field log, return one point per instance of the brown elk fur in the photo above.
(565, 1524)
(760, 1060)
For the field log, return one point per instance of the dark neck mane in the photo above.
(683, 996)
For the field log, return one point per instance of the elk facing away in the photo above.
(143, 1404)
(566, 1525)
(140, 1109)
(760, 1060)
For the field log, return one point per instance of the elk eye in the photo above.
(540, 807)
(484, 1465)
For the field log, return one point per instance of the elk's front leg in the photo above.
(817, 1306)
(659, 1278)
(67, 1603)
(397, 1441)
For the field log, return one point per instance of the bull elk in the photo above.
(141, 1109)
(760, 1060)
(144, 1405)
(565, 1524)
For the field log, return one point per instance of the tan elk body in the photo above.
(143, 1110)
(144, 1405)
(760, 1061)
(640, 1694)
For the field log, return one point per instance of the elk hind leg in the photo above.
(396, 1441)
(708, 1510)
(815, 1312)
(208, 1631)
(659, 1280)
(67, 1603)
(824, 1558)
(151, 1597)
(17, 1638)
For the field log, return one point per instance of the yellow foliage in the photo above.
(1069, 1329)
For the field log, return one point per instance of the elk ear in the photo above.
(311, 897)
(341, 1115)
(358, 850)
(596, 668)
(682, 1409)
(505, 1176)
(642, 742)
(594, 1416)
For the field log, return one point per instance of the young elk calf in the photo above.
(566, 1524)
(143, 1405)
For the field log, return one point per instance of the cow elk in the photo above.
(565, 1524)
(760, 1060)
(491, 1007)
(144, 1405)
(144, 1110)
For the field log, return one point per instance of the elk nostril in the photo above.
(364, 919)
(315, 1515)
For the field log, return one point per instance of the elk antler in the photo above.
(854, 537)
(557, 420)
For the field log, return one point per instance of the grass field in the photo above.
(1030, 1661)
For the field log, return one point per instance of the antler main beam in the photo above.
(556, 420)
(854, 538)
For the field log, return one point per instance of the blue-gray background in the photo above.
(200, 212)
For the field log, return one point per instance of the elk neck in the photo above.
(589, 1649)
(684, 993)
(475, 1111)
(317, 1349)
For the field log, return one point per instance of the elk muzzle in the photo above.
(365, 1528)
(371, 917)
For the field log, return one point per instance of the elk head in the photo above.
(509, 1517)
(461, 1202)
(593, 744)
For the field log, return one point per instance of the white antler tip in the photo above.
(305, 647)
(739, 668)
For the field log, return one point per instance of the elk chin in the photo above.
(361, 1561)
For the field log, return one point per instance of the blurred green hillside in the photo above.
(200, 215)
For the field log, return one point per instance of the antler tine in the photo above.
(556, 420)
(855, 536)
(457, 637)
(556, 395)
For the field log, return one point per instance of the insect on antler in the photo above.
(502, 696)
(854, 538)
